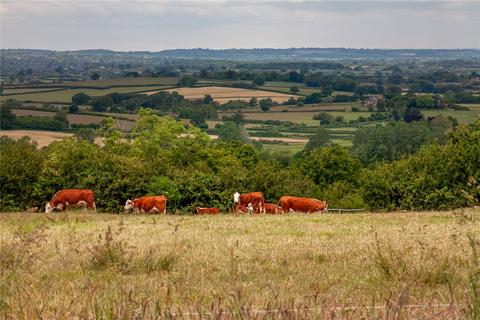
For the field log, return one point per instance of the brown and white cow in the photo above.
(71, 197)
(296, 204)
(242, 209)
(255, 200)
(272, 208)
(207, 210)
(148, 204)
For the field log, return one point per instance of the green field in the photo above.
(16, 91)
(141, 81)
(461, 115)
(291, 148)
(65, 96)
(294, 266)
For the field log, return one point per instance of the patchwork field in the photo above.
(415, 265)
(43, 138)
(65, 96)
(77, 118)
(225, 94)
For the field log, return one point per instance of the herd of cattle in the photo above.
(253, 202)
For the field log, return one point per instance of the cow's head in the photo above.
(49, 208)
(128, 205)
(236, 197)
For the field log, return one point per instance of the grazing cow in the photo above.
(207, 210)
(71, 197)
(148, 204)
(272, 208)
(255, 200)
(292, 204)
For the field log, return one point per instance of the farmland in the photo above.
(224, 94)
(43, 138)
(65, 95)
(78, 118)
(418, 265)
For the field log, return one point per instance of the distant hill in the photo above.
(265, 54)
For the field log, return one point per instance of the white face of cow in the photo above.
(128, 205)
(48, 208)
(236, 197)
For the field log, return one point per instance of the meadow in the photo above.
(421, 265)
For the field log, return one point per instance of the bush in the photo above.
(437, 177)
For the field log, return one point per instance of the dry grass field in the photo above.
(81, 265)
(225, 94)
(43, 138)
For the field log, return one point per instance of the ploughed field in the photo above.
(86, 265)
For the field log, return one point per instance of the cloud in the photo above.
(156, 25)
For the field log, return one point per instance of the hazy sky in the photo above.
(157, 25)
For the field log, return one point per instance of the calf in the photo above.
(272, 208)
(207, 210)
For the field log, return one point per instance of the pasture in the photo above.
(74, 118)
(418, 265)
(43, 138)
(65, 96)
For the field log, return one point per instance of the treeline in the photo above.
(162, 156)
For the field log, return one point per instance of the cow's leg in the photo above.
(64, 206)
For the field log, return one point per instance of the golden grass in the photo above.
(43, 138)
(394, 265)
(225, 94)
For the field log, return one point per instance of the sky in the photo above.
(131, 25)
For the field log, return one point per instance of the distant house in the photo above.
(371, 101)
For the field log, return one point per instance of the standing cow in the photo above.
(292, 204)
(207, 210)
(71, 197)
(272, 208)
(147, 204)
(255, 200)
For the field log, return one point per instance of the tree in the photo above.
(62, 117)
(253, 102)
(294, 89)
(207, 99)
(320, 139)
(7, 117)
(412, 115)
(324, 117)
(258, 80)
(230, 131)
(265, 104)
(95, 76)
(315, 97)
(187, 81)
(327, 165)
(80, 98)
(86, 134)
(101, 104)
(73, 108)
